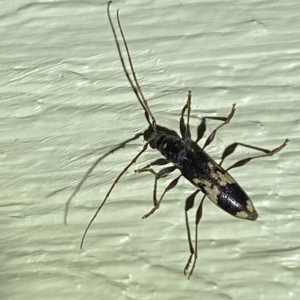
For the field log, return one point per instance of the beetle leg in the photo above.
(158, 162)
(199, 214)
(189, 203)
(185, 128)
(162, 173)
(202, 127)
(172, 184)
(231, 148)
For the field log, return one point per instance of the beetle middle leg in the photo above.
(202, 127)
(162, 173)
(185, 128)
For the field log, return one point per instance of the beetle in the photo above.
(187, 156)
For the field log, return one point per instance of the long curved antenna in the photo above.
(87, 174)
(108, 193)
(134, 75)
(135, 89)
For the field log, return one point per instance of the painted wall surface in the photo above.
(65, 101)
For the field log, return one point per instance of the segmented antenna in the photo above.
(136, 88)
(111, 188)
(138, 92)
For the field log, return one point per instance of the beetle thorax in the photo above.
(172, 148)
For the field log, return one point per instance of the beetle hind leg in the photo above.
(231, 148)
(193, 250)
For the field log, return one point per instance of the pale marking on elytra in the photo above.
(212, 190)
(220, 174)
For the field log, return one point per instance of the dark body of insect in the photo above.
(188, 157)
(203, 172)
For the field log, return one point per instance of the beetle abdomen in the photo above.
(219, 186)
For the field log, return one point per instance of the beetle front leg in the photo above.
(185, 128)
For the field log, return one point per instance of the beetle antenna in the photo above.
(136, 88)
(87, 174)
(108, 193)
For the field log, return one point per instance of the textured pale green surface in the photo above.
(65, 101)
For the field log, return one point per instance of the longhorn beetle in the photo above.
(185, 155)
